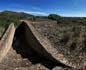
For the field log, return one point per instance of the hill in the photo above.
(7, 17)
(10, 16)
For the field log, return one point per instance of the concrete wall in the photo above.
(6, 41)
(42, 45)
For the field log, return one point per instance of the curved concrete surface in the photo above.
(42, 45)
(6, 41)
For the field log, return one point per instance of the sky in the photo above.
(69, 8)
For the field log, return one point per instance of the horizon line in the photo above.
(38, 13)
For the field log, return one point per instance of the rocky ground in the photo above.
(14, 61)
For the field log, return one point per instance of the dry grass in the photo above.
(69, 39)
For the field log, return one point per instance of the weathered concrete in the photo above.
(6, 41)
(42, 45)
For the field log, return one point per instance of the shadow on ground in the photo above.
(21, 47)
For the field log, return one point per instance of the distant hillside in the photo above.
(10, 16)
(7, 17)
(17, 14)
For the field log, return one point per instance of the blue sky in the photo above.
(45, 7)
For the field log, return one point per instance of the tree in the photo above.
(56, 17)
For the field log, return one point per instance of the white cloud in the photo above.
(34, 12)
